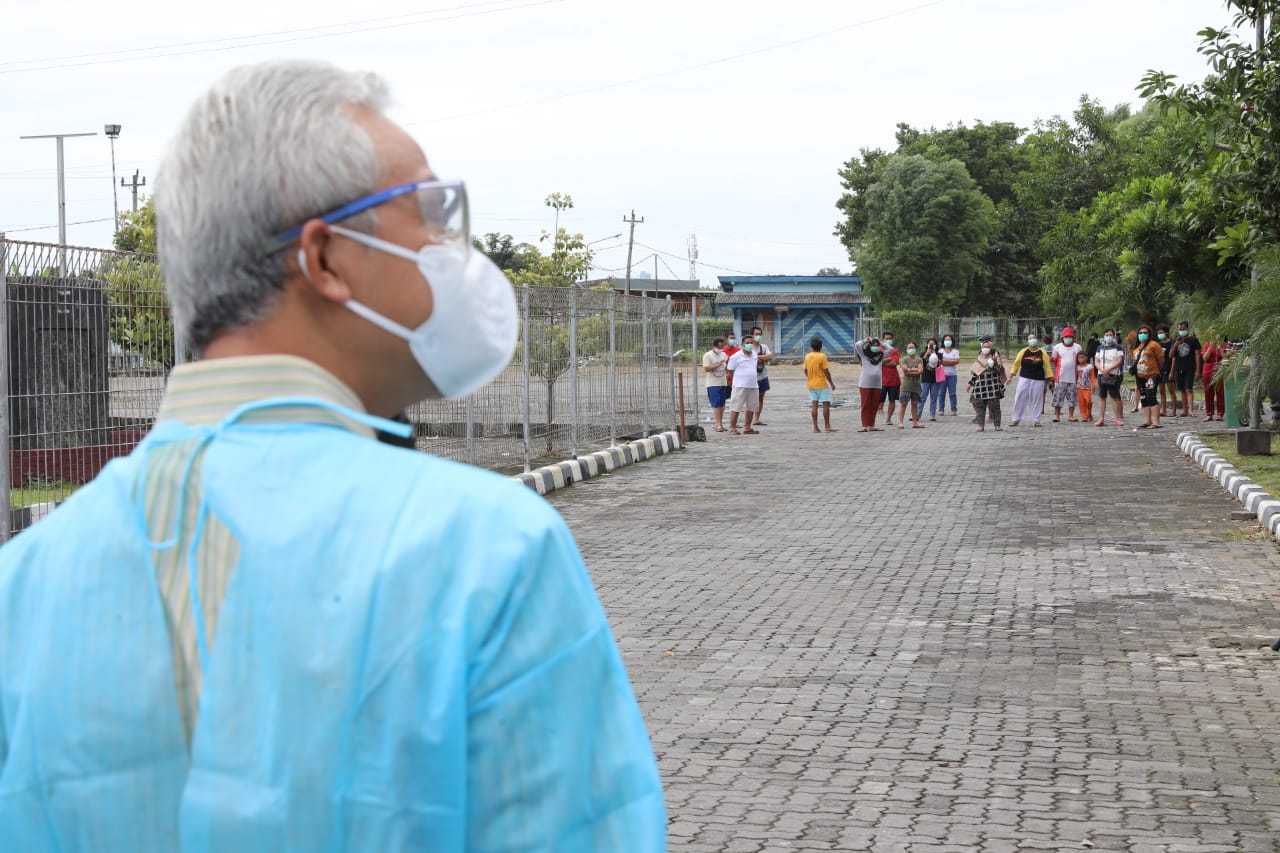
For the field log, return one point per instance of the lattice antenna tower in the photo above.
(693, 257)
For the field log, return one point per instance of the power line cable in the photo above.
(701, 262)
(35, 66)
(51, 227)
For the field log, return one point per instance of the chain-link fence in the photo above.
(89, 344)
(1005, 332)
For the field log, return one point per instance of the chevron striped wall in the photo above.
(835, 327)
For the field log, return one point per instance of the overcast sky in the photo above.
(727, 119)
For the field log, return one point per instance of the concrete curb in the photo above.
(1250, 495)
(562, 474)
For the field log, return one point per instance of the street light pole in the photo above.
(113, 133)
(62, 195)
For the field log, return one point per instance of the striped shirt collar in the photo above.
(204, 392)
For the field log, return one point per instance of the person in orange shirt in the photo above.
(817, 372)
(1148, 365)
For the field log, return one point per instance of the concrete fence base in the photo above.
(1250, 495)
(561, 474)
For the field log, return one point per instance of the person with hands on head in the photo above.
(870, 381)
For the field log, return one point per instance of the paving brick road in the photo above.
(930, 640)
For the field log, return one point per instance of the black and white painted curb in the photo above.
(561, 474)
(1255, 500)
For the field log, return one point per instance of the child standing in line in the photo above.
(1084, 387)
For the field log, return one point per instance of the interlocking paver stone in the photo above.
(939, 639)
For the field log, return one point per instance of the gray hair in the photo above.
(268, 147)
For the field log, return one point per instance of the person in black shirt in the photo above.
(1168, 398)
(1186, 367)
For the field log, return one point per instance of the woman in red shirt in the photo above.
(1215, 398)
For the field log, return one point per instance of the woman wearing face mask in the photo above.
(1148, 364)
(930, 388)
(1031, 367)
(950, 375)
(986, 385)
(870, 381)
(1108, 368)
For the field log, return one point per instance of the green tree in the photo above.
(927, 223)
(510, 256)
(138, 305)
(548, 331)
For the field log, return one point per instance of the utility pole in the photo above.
(62, 195)
(693, 257)
(631, 243)
(135, 186)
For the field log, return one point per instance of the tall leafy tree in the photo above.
(927, 223)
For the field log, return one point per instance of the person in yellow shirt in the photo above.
(817, 370)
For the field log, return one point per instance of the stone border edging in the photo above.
(561, 474)
(1255, 500)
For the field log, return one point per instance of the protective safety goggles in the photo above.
(442, 205)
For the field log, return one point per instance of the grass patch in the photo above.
(1263, 470)
(27, 495)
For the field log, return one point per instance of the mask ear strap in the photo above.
(302, 262)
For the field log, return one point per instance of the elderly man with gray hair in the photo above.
(266, 630)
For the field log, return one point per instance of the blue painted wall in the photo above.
(834, 326)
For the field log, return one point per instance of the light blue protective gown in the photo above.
(410, 656)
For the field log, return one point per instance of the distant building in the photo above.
(682, 291)
(793, 308)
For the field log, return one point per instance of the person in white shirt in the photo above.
(950, 356)
(764, 355)
(745, 397)
(713, 364)
(1108, 363)
(1063, 358)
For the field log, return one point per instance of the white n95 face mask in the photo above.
(471, 333)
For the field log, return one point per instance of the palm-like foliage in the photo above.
(1254, 314)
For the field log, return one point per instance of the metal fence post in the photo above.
(573, 373)
(6, 515)
(644, 366)
(471, 429)
(671, 360)
(528, 455)
(613, 369)
(694, 360)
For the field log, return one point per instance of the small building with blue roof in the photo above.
(792, 309)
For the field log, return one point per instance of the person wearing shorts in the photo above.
(764, 355)
(713, 364)
(1108, 370)
(1148, 362)
(817, 374)
(911, 368)
(1186, 355)
(745, 397)
(891, 380)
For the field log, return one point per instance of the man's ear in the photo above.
(314, 258)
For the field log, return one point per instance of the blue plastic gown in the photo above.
(410, 656)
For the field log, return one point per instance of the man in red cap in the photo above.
(1064, 358)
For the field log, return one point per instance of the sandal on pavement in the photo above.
(1100, 423)
(1074, 420)
(1037, 423)
(750, 432)
(735, 432)
(832, 429)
